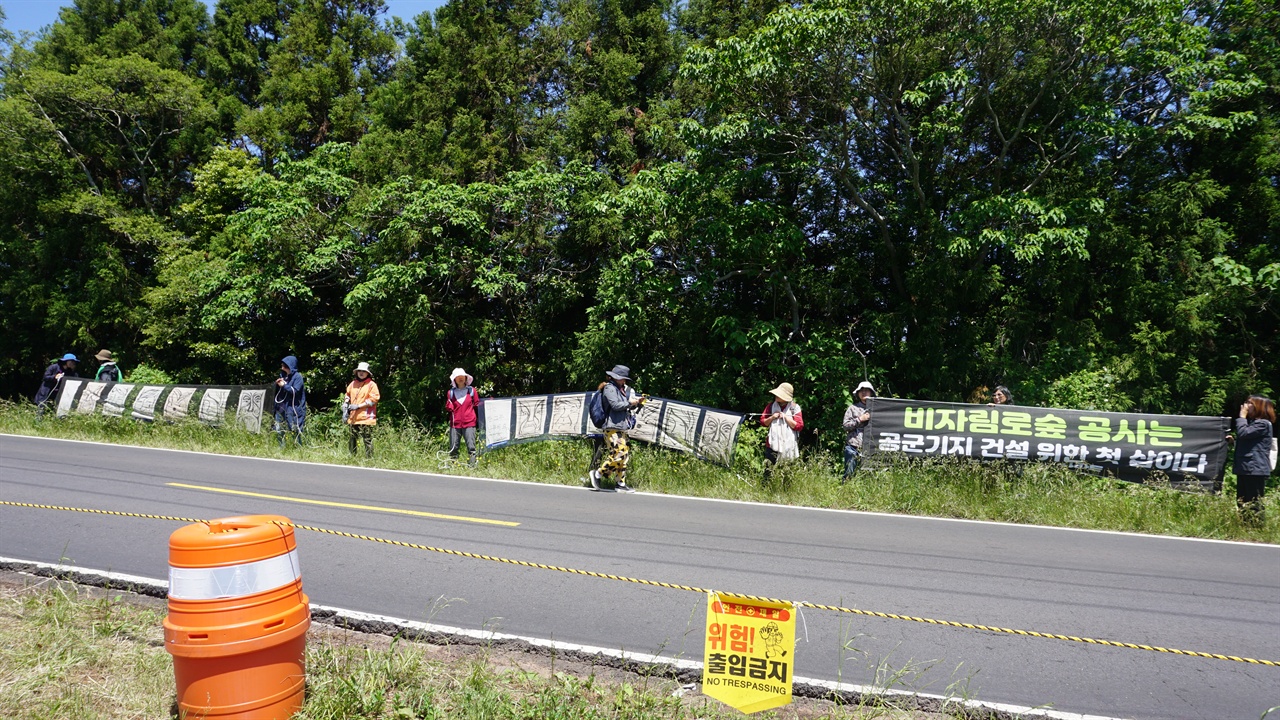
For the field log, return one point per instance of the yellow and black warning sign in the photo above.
(749, 652)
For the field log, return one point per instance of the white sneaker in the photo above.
(594, 477)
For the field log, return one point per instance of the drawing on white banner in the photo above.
(647, 417)
(718, 433)
(178, 402)
(679, 427)
(67, 395)
(497, 420)
(113, 405)
(174, 401)
(531, 413)
(213, 405)
(144, 404)
(90, 397)
(704, 432)
(249, 409)
(566, 414)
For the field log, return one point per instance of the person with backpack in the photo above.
(63, 367)
(782, 417)
(462, 401)
(290, 401)
(1255, 428)
(611, 411)
(109, 371)
(360, 406)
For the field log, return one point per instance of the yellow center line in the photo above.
(327, 503)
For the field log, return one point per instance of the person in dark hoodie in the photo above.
(290, 401)
(64, 367)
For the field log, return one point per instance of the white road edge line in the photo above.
(575, 488)
(642, 658)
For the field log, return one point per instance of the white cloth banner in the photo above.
(704, 432)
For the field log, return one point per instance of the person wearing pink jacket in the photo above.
(462, 402)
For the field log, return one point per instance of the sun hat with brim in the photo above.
(69, 356)
(619, 372)
(864, 385)
(103, 355)
(459, 371)
(784, 392)
(362, 366)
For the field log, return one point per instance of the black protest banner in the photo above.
(1186, 449)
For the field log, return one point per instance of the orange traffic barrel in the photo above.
(237, 624)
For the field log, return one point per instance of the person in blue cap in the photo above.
(64, 367)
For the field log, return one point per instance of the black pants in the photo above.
(361, 432)
(1249, 490)
(770, 460)
(597, 455)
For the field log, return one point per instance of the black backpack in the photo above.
(596, 410)
(108, 373)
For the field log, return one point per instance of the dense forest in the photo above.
(1079, 199)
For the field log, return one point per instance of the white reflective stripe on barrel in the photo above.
(234, 580)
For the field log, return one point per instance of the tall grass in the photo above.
(1023, 493)
(70, 653)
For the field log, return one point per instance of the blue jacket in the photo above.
(1253, 447)
(291, 398)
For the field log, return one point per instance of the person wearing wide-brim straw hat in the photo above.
(618, 400)
(462, 402)
(360, 408)
(856, 418)
(782, 408)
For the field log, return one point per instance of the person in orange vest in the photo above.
(360, 408)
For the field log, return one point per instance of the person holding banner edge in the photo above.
(781, 444)
(63, 367)
(1255, 429)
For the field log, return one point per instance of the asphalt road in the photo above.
(1193, 595)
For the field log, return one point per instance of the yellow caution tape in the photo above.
(691, 588)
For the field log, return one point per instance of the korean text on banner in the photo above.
(1189, 450)
(749, 652)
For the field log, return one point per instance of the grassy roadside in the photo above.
(1031, 493)
(76, 652)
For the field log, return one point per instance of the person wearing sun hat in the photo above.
(618, 399)
(109, 371)
(856, 418)
(361, 406)
(462, 401)
(782, 409)
(63, 367)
